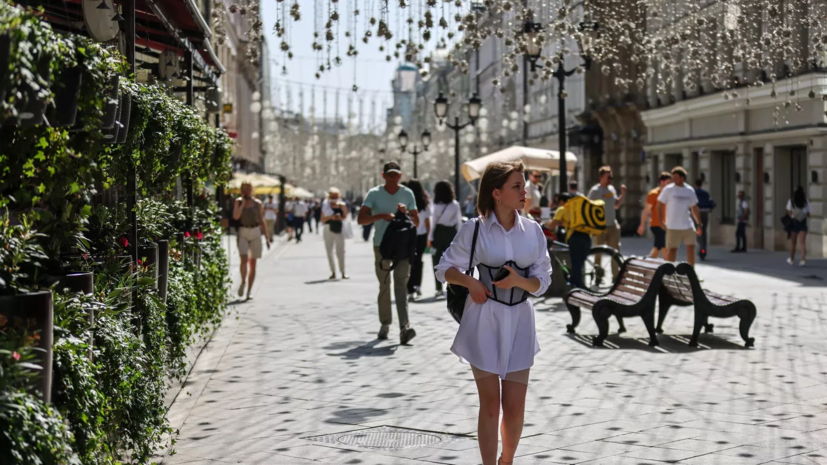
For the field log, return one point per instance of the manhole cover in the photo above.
(385, 438)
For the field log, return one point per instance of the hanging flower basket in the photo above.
(33, 313)
(149, 258)
(110, 135)
(65, 109)
(110, 110)
(32, 108)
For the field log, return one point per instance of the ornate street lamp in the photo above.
(561, 73)
(441, 111)
(403, 143)
(533, 46)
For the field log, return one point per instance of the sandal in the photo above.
(501, 462)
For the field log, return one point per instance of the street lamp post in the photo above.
(441, 110)
(403, 143)
(532, 50)
(561, 73)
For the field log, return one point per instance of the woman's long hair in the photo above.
(444, 193)
(422, 198)
(799, 199)
(495, 177)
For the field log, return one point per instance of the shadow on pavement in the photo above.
(353, 416)
(367, 350)
(669, 344)
(321, 281)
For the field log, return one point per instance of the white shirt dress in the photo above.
(495, 337)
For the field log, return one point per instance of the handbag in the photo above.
(443, 235)
(347, 230)
(458, 295)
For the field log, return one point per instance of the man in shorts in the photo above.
(604, 191)
(656, 224)
(674, 205)
(249, 211)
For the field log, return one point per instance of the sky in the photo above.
(369, 70)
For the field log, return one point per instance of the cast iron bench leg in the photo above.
(601, 318)
(700, 321)
(747, 314)
(575, 318)
(649, 320)
(621, 327)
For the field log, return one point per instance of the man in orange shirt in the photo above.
(656, 225)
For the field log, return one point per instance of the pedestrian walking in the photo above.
(656, 223)
(604, 191)
(299, 215)
(497, 334)
(288, 218)
(317, 214)
(334, 214)
(250, 213)
(706, 204)
(380, 206)
(742, 215)
(579, 242)
(271, 214)
(574, 189)
(423, 206)
(470, 207)
(675, 203)
(308, 218)
(798, 209)
(447, 219)
(533, 206)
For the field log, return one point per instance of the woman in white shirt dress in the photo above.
(497, 336)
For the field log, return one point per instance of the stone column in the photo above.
(743, 166)
(770, 222)
(817, 164)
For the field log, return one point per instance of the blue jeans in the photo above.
(579, 246)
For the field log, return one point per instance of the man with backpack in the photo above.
(392, 209)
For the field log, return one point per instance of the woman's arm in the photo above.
(261, 224)
(479, 293)
(344, 212)
(238, 208)
(539, 274)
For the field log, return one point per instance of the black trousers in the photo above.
(415, 279)
(309, 222)
(298, 224)
(741, 237)
(579, 246)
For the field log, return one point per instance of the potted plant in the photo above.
(23, 303)
(64, 111)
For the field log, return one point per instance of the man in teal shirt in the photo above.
(379, 207)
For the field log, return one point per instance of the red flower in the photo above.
(187, 234)
(15, 356)
(124, 241)
(86, 256)
(203, 197)
(198, 235)
(140, 262)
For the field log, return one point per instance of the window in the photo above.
(727, 201)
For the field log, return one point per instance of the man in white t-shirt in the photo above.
(674, 205)
(271, 210)
(533, 195)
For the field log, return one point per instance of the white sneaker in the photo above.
(802, 263)
(439, 293)
(789, 261)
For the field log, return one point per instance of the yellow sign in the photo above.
(228, 108)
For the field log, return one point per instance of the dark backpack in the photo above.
(399, 242)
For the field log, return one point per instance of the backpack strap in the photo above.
(473, 247)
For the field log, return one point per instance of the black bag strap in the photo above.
(473, 246)
(443, 213)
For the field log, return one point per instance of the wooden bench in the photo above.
(634, 294)
(684, 289)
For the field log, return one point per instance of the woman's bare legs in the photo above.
(793, 240)
(251, 275)
(243, 269)
(513, 401)
(803, 244)
(489, 419)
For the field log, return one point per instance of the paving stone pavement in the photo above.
(301, 360)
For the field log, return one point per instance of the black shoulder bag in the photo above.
(457, 295)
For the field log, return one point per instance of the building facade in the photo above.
(766, 139)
